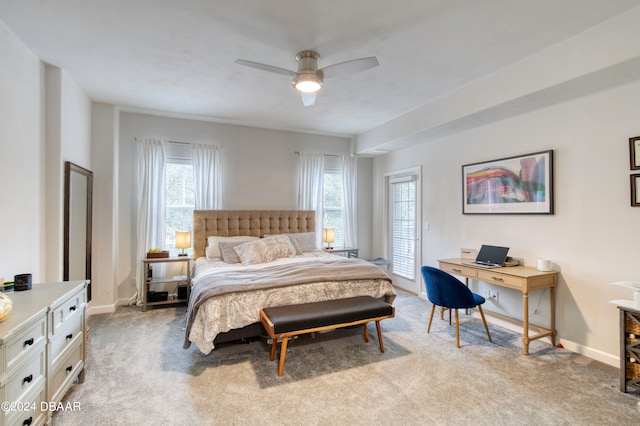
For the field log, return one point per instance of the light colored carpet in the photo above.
(138, 374)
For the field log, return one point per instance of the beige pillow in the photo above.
(213, 244)
(265, 250)
(302, 241)
(228, 253)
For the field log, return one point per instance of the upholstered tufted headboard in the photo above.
(229, 223)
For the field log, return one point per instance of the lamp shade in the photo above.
(328, 235)
(183, 239)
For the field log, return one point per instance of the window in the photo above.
(180, 201)
(403, 227)
(332, 204)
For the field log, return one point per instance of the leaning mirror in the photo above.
(78, 189)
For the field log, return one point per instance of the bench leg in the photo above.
(366, 332)
(380, 336)
(274, 343)
(283, 354)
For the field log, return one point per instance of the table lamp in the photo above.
(183, 241)
(328, 237)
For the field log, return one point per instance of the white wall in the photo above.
(259, 172)
(67, 138)
(35, 98)
(22, 211)
(592, 238)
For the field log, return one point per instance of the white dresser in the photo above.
(42, 350)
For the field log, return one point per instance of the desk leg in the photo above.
(525, 322)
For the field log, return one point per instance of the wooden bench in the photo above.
(293, 320)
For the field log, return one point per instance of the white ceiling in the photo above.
(178, 57)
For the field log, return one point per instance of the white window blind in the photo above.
(403, 226)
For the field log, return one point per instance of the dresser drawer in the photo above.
(27, 410)
(29, 341)
(459, 270)
(501, 279)
(65, 371)
(73, 307)
(70, 331)
(25, 378)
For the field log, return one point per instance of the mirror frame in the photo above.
(69, 169)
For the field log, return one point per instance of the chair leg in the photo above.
(433, 309)
(457, 330)
(450, 316)
(485, 323)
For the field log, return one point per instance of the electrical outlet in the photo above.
(491, 294)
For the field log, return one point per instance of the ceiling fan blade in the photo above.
(308, 99)
(347, 67)
(265, 67)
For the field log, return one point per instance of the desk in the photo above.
(522, 278)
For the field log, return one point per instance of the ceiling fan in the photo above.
(309, 79)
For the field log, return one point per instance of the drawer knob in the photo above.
(69, 336)
(27, 421)
(72, 308)
(457, 270)
(28, 342)
(69, 368)
(27, 379)
(497, 279)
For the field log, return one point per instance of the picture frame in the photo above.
(635, 190)
(522, 184)
(634, 153)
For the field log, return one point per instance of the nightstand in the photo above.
(177, 281)
(349, 251)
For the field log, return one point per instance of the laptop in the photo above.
(489, 257)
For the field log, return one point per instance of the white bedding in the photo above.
(236, 309)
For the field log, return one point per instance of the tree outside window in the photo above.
(180, 202)
(332, 205)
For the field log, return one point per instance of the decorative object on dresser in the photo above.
(521, 184)
(6, 305)
(44, 347)
(22, 282)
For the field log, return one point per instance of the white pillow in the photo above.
(265, 250)
(213, 244)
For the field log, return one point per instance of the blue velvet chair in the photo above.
(447, 291)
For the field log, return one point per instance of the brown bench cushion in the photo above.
(330, 312)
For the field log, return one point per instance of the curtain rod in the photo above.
(326, 155)
(176, 142)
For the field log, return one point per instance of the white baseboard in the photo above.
(97, 310)
(595, 354)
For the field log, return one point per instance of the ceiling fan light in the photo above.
(307, 83)
(308, 86)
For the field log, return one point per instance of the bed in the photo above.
(246, 260)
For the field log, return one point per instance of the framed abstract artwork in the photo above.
(521, 184)
(634, 153)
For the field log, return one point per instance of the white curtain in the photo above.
(207, 172)
(151, 202)
(349, 198)
(310, 180)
